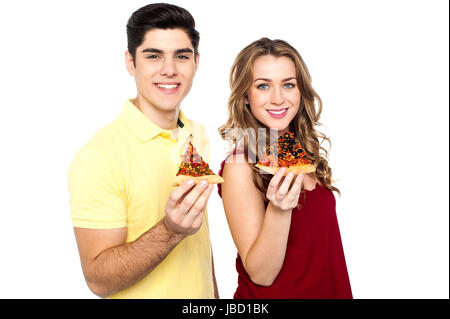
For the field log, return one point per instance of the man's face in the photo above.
(164, 68)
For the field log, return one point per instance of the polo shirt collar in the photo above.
(143, 128)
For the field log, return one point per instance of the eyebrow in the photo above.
(153, 50)
(185, 50)
(269, 80)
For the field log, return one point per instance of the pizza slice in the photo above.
(286, 152)
(193, 167)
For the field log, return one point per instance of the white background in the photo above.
(381, 68)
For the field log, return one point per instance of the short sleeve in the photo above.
(97, 191)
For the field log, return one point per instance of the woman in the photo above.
(284, 227)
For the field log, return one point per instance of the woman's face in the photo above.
(274, 96)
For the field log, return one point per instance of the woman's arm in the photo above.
(259, 234)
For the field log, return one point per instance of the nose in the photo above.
(276, 97)
(168, 68)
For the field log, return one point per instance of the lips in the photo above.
(168, 88)
(277, 113)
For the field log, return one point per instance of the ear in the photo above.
(197, 60)
(246, 100)
(129, 63)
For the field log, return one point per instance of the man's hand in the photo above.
(185, 207)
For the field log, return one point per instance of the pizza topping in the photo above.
(192, 164)
(286, 151)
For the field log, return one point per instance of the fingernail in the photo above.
(204, 183)
(190, 182)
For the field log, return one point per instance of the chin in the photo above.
(279, 128)
(169, 107)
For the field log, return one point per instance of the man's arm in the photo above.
(111, 265)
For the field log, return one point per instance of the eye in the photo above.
(289, 85)
(262, 87)
(182, 57)
(153, 56)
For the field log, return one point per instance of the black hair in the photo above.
(159, 16)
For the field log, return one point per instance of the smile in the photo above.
(278, 113)
(167, 86)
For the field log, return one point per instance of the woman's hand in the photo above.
(280, 192)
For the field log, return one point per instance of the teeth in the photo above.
(277, 112)
(167, 86)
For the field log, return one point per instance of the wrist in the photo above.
(173, 234)
(276, 209)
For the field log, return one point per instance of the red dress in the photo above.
(314, 264)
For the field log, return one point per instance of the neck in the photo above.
(167, 120)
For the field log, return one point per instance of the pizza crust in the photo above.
(212, 179)
(297, 169)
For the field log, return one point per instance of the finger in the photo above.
(190, 199)
(197, 223)
(296, 187)
(178, 193)
(284, 188)
(275, 181)
(199, 207)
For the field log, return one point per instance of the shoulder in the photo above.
(107, 137)
(91, 162)
(236, 162)
(103, 152)
(109, 142)
(237, 173)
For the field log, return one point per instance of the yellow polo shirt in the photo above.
(122, 177)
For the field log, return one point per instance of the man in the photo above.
(139, 237)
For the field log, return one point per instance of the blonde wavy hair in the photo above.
(303, 125)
